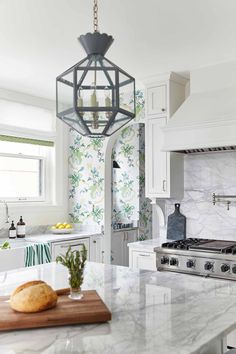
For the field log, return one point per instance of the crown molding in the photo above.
(170, 76)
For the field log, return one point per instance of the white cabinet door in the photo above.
(95, 249)
(117, 247)
(130, 236)
(143, 260)
(60, 248)
(157, 181)
(157, 100)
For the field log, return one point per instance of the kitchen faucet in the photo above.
(7, 211)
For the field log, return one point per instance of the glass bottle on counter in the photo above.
(21, 228)
(12, 230)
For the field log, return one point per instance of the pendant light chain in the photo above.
(98, 105)
(95, 16)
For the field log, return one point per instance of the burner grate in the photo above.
(184, 244)
(202, 245)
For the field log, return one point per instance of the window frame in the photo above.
(43, 162)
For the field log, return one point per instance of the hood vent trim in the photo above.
(207, 150)
(206, 120)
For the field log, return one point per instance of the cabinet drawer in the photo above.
(143, 260)
(157, 100)
(60, 248)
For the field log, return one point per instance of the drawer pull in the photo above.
(144, 255)
(67, 246)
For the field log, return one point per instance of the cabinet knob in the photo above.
(94, 241)
(163, 109)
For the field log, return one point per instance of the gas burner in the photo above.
(185, 243)
(198, 256)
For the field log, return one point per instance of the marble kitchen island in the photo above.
(152, 312)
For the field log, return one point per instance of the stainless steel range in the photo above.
(214, 258)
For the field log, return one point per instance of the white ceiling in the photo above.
(38, 37)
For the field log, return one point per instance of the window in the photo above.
(21, 177)
(24, 170)
(28, 157)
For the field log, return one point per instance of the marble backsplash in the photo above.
(205, 174)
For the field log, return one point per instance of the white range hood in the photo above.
(206, 121)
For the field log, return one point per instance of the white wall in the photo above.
(44, 213)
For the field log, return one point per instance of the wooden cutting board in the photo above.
(91, 309)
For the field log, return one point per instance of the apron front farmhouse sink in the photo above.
(13, 257)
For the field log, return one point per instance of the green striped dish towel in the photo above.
(38, 253)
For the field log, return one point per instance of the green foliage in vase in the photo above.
(75, 262)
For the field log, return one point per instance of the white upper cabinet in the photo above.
(157, 100)
(164, 170)
(156, 163)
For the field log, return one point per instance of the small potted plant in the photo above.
(75, 262)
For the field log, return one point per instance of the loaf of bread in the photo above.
(33, 296)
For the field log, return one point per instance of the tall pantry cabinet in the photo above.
(164, 170)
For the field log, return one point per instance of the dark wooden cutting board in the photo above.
(91, 309)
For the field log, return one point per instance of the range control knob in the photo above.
(190, 263)
(173, 262)
(208, 266)
(234, 268)
(164, 260)
(225, 267)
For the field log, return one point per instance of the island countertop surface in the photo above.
(152, 312)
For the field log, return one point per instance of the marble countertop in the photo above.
(28, 240)
(50, 237)
(147, 245)
(152, 312)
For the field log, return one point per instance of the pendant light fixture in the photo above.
(95, 97)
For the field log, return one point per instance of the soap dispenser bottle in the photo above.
(21, 228)
(12, 230)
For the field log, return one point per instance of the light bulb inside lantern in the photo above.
(80, 101)
(107, 101)
(94, 103)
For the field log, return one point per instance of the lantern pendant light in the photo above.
(95, 97)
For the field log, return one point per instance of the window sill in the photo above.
(34, 204)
